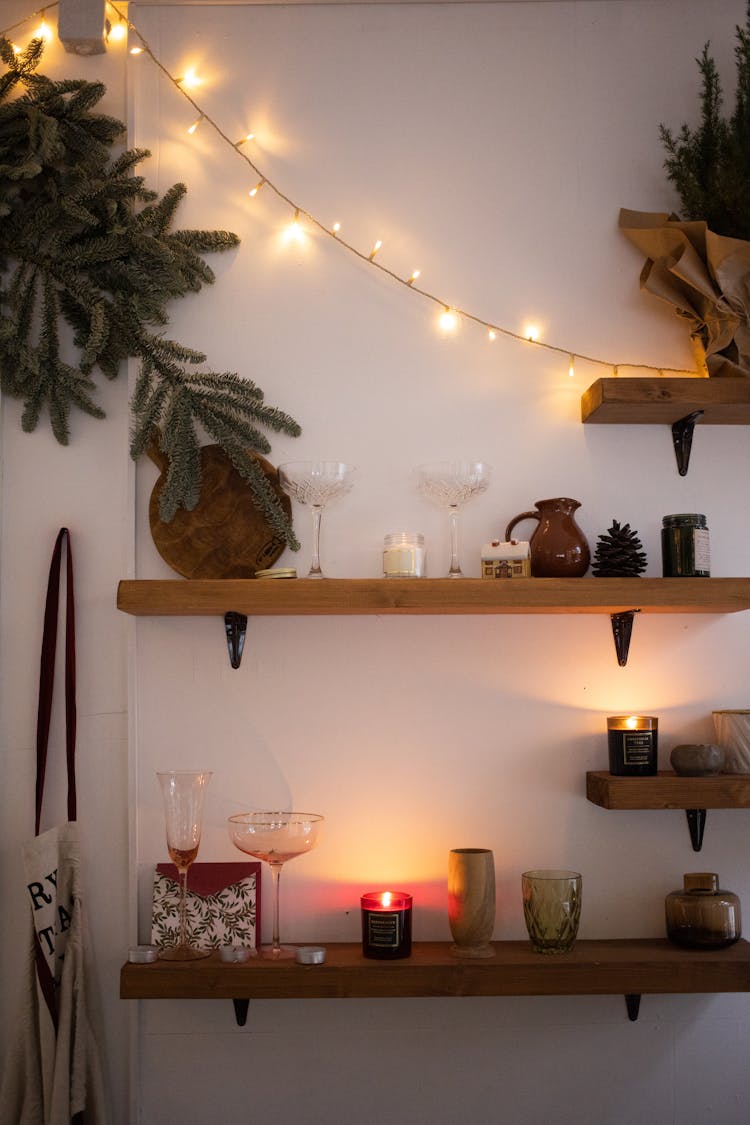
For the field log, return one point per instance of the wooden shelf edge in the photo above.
(646, 401)
(667, 790)
(206, 597)
(613, 967)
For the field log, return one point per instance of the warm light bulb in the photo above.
(195, 124)
(491, 335)
(572, 366)
(335, 228)
(294, 232)
(375, 249)
(254, 191)
(448, 320)
(245, 139)
(117, 33)
(16, 49)
(136, 50)
(44, 31)
(190, 79)
(414, 276)
(532, 333)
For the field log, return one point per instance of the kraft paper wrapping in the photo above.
(706, 279)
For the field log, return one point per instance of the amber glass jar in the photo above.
(702, 916)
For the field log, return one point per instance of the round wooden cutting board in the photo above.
(225, 535)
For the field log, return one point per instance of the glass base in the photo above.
(315, 574)
(183, 953)
(283, 953)
(472, 951)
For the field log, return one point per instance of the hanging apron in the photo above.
(53, 1074)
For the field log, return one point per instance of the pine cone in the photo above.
(619, 554)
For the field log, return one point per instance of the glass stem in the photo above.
(315, 571)
(275, 876)
(455, 569)
(182, 939)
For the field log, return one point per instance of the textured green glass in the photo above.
(552, 909)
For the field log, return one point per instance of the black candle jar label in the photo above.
(637, 748)
(384, 931)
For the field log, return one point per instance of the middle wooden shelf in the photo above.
(303, 596)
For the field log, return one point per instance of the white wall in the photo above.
(490, 145)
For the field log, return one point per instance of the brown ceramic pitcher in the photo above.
(558, 546)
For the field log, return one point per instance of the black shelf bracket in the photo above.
(633, 1004)
(696, 819)
(622, 628)
(240, 1011)
(682, 439)
(235, 625)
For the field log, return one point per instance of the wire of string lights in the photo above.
(451, 312)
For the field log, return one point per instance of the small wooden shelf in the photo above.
(617, 967)
(302, 596)
(724, 402)
(668, 790)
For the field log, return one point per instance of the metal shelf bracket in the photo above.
(235, 625)
(633, 1004)
(622, 628)
(696, 819)
(682, 439)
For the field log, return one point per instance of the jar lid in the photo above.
(279, 572)
(701, 881)
(684, 519)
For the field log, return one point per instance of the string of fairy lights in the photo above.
(303, 220)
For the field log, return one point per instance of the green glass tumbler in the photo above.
(551, 909)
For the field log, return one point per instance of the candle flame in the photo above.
(387, 897)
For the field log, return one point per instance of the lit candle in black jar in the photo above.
(632, 745)
(386, 924)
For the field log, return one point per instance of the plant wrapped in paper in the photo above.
(701, 264)
(705, 277)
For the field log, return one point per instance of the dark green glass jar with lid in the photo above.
(702, 915)
(685, 546)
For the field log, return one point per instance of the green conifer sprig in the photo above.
(84, 241)
(710, 164)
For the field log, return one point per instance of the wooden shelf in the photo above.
(668, 791)
(724, 402)
(302, 596)
(619, 967)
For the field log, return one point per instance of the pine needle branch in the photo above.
(84, 242)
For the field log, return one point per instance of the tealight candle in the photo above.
(632, 745)
(386, 924)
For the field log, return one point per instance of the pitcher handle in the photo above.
(517, 519)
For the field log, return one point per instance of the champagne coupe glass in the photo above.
(316, 483)
(450, 484)
(183, 791)
(275, 837)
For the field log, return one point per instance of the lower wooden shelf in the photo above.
(616, 967)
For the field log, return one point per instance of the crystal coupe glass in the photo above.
(316, 483)
(182, 791)
(275, 837)
(451, 484)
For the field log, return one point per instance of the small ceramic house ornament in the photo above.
(511, 559)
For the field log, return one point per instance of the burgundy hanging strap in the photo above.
(47, 677)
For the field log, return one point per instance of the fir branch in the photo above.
(84, 242)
